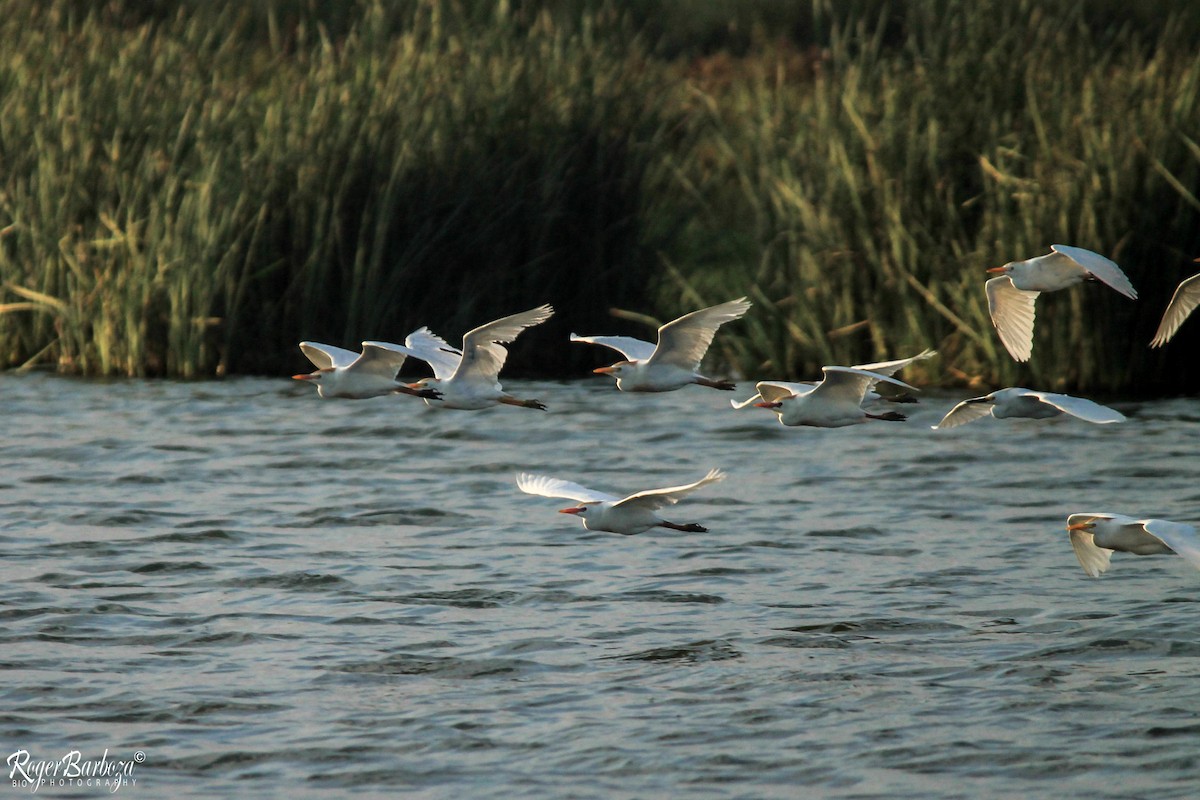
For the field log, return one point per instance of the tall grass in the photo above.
(191, 188)
(184, 199)
(861, 190)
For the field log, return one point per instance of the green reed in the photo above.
(190, 189)
(183, 198)
(861, 190)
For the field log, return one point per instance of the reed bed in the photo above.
(191, 190)
(869, 184)
(185, 199)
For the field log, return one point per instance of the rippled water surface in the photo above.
(265, 593)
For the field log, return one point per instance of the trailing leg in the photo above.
(691, 527)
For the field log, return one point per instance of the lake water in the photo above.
(264, 593)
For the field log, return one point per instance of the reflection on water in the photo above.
(269, 593)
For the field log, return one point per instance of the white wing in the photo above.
(484, 355)
(1177, 536)
(380, 358)
(434, 351)
(964, 412)
(770, 391)
(892, 367)
(655, 499)
(753, 399)
(556, 487)
(1078, 407)
(325, 356)
(632, 349)
(1012, 314)
(1099, 267)
(850, 385)
(684, 341)
(778, 390)
(1183, 302)
(1093, 559)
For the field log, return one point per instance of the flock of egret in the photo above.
(467, 378)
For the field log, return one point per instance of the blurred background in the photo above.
(190, 188)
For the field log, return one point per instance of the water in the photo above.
(264, 593)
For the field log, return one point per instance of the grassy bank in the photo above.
(191, 188)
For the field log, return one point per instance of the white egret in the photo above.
(885, 368)
(675, 361)
(601, 511)
(469, 379)
(835, 402)
(1019, 402)
(345, 374)
(1011, 296)
(1095, 537)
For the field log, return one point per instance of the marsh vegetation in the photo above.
(190, 188)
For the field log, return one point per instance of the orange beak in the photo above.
(603, 370)
(995, 269)
(1079, 526)
(312, 376)
(766, 404)
(577, 510)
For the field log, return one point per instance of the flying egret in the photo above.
(1095, 537)
(675, 361)
(1019, 402)
(1011, 296)
(601, 511)
(468, 379)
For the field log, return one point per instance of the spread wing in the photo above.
(326, 356)
(655, 499)
(770, 391)
(1183, 302)
(847, 384)
(1099, 267)
(380, 358)
(1177, 536)
(483, 353)
(684, 341)
(434, 351)
(1012, 314)
(557, 487)
(1078, 407)
(892, 367)
(779, 390)
(964, 412)
(1093, 559)
(632, 349)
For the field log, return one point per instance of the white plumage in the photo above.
(1011, 296)
(1019, 402)
(1183, 303)
(675, 361)
(601, 511)
(469, 378)
(884, 368)
(835, 402)
(1095, 537)
(345, 374)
